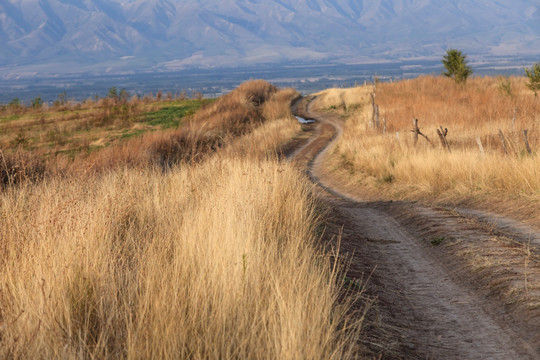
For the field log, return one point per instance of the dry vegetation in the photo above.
(211, 259)
(69, 127)
(390, 165)
(35, 142)
(235, 114)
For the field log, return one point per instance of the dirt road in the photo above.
(429, 304)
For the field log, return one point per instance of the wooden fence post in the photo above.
(442, 136)
(373, 108)
(377, 119)
(503, 141)
(479, 142)
(416, 131)
(526, 140)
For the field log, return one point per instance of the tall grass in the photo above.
(347, 100)
(213, 127)
(216, 259)
(391, 165)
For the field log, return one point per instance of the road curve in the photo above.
(425, 309)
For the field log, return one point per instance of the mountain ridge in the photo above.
(114, 35)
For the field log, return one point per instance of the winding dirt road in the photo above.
(429, 305)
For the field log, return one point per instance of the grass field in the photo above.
(215, 256)
(149, 136)
(387, 163)
(74, 128)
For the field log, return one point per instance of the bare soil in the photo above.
(448, 283)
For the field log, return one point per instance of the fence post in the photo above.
(373, 108)
(526, 140)
(479, 142)
(377, 119)
(442, 136)
(415, 130)
(503, 141)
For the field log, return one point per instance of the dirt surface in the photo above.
(448, 284)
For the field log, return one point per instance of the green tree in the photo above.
(534, 78)
(37, 102)
(113, 93)
(455, 63)
(62, 99)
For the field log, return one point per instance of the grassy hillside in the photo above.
(387, 163)
(216, 257)
(98, 137)
(70, 128)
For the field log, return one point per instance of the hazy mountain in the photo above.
(84, 35)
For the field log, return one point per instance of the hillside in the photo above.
(98, 35)
(216, 257)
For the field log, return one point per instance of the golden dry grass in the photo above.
(80, 127)
(347, 100)
(211, 128)
(213, 260)
(391, 166)
(217, 261)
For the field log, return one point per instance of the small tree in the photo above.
(113, 93)
(534, 78)
(37, 102)
(62, 99)
(455, 63)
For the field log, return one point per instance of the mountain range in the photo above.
(73, 36)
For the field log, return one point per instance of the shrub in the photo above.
(505, 86)
(455, 63)
(37, 102)
(534, 78)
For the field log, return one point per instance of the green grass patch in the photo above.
(9, 118)
(130, 134)
(171, 115)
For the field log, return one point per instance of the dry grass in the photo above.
(45, 142)
(214, 260)
(346, 100)
(76, 127)
(214, 126)
(391, 166)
